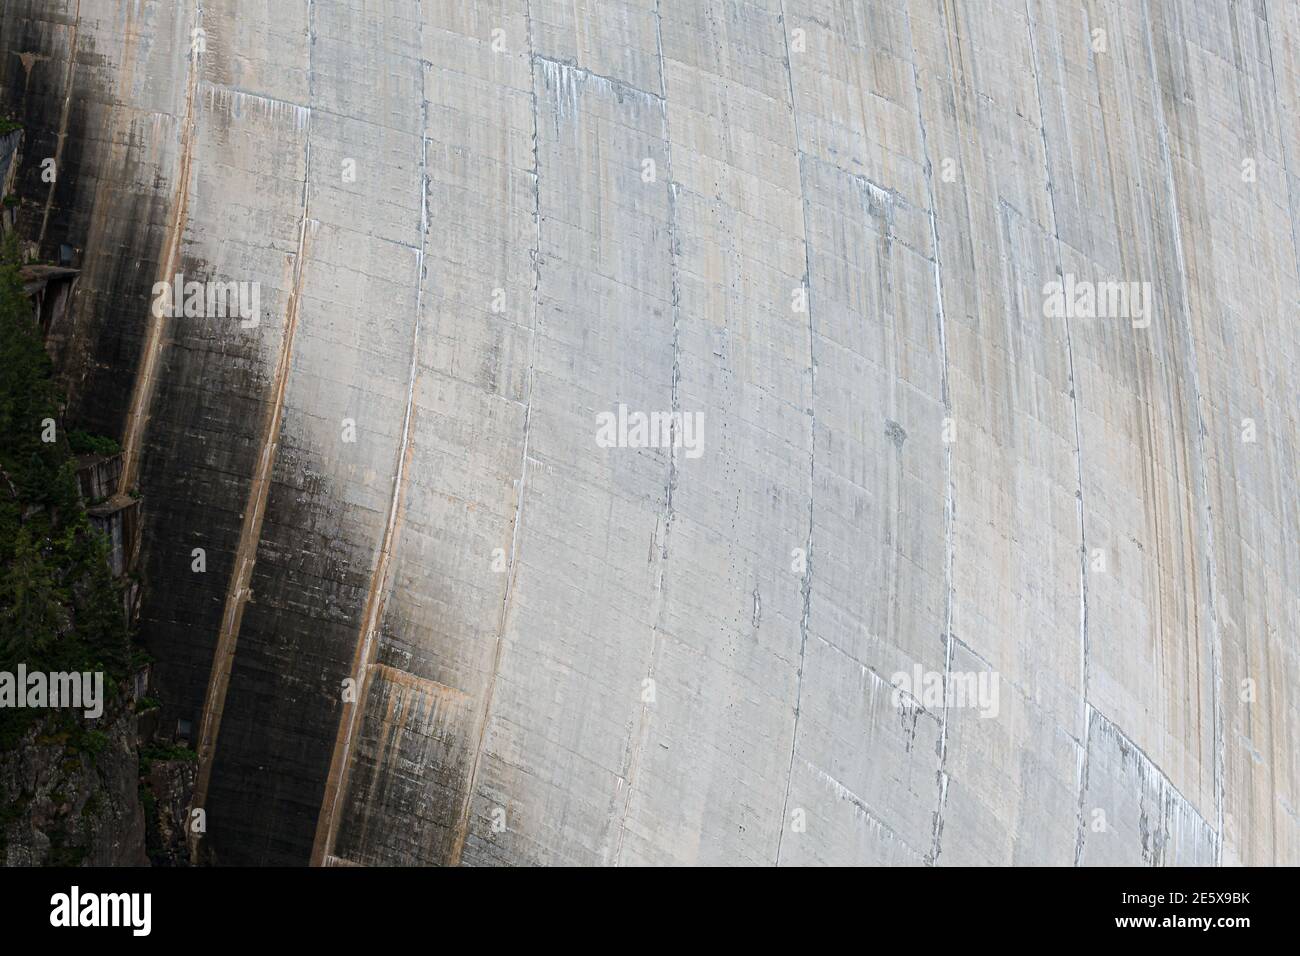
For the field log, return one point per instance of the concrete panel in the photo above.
(955, 575)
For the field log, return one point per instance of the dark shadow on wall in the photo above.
(108, 205)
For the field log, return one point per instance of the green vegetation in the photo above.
(93, 742)
(7, 125)
(84, 443)
(155, 751)
(60, 608)
(63, 855)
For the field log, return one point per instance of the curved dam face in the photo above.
(696, 431)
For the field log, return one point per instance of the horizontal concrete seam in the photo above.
(417, 682)
(1152, 766)
(213, 87)
(861, 805)
(613, 81)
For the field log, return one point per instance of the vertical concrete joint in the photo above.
(806, 586)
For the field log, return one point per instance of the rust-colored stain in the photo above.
(29, 60)
(431, 689)
(411, 692)
(411, 704)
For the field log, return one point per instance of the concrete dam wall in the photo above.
(696, 431)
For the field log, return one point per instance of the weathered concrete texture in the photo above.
(1152, 824)
(99, 86)
(202, 451)
(827, 226)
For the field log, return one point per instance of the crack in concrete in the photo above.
(638, 739)
(462, 824)
(1086, 710)
(806, 586)
(949, 509)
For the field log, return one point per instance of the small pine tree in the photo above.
(60, 608)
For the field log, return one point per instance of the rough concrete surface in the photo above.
(439, 621)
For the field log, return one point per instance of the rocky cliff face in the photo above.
(95, 794)
(68, 805)
(989, 311)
